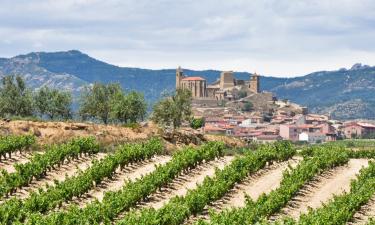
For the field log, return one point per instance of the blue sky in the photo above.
(272, 37)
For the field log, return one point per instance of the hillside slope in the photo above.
(344, 94)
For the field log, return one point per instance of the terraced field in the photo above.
(76, 183)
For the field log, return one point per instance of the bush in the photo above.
(197, 123)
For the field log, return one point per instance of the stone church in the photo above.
(225, 88)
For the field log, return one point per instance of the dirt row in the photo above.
(322, 188)
(131, 172)
(366, 212)
(67, 169)
(263, 181)
(189, 181)
(20, 158)
(183, 183)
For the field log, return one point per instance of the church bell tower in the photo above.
(254, 83)
(179, 77)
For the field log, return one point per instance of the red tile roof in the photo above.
(193, 78)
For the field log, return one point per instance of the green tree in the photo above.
(128, 107)
(15, 97)
(197, 123)
(96, 100)
(53, 103)
(173, 110)
(247, 107)
(242, 94)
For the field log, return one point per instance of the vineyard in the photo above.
(82, 182)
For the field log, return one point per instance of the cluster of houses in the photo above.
(311, 128)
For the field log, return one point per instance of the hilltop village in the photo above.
(239, 108)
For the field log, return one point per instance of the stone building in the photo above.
(225, 88)
(254, 83)
(197, 85)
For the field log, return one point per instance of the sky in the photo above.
(271, 37)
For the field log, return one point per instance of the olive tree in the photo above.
(15, 97)
(53, 103)
(174, 109)
(95, 101)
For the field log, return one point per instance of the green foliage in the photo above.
(12, 143)
(108, 101)
(340, 209)
(132, 192)
(128, 107)
(15, 97)
(76, 186)
(96, 101)
(197, 123)
(242, 94)
(53, 103)
(173, 110)
(292, 181)
(39, 164)
(180, 208)
(247, 107)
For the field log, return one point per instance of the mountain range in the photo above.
(343, 94)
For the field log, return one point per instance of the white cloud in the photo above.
(279, 37)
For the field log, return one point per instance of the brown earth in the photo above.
(263, 181)
(131, 172)
(333, 182)
(57, 132)
(68, 169)
(367, 211)
(189, 181)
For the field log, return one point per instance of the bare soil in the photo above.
(263, 181)
(131, 172)
(189, 181)
(57, 132)
(68, 169)
(20, 158)
(366, 212)
(333, 182)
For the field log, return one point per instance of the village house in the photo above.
(358, 129)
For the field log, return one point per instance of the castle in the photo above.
(226, 88)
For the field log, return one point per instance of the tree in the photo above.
(128, 108)
(197, 123)
(96, 100)
(53, 103)
(242, 94)
(247, 107)
(173, 110)
(15, 97)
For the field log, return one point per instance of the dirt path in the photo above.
(366, 212)
(181, 185)
(8, 164)
(67, 169)
(322, 188)
(131, 172)
(263, 181)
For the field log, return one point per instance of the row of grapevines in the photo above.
(180, 208)
(267, 205)
(39, 164)
(315, 150)
(341, 208)
(75, 186)
(12, 143)
(116, 202)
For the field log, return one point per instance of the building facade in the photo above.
(225, 88)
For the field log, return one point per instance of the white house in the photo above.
(310, 137)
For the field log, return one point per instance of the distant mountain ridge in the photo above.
(344, 94)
